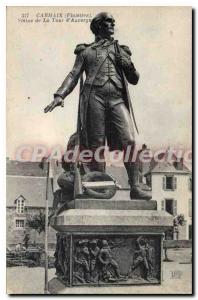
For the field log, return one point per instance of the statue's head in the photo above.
(103, 24)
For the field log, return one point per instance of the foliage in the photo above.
(37, 222)
(178, 220)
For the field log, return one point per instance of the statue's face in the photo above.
(107, 25)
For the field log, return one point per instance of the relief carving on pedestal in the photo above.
(115, 260)
(143, 258)
(97, 260)
(62, 261)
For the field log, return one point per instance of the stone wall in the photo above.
(16, 235)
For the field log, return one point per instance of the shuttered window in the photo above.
(163, 205)
(174, 207)
(174, 183)
(170, 206)
(164, 183)
(169, 183)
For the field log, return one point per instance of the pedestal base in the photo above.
(112, 246)
(108, 259)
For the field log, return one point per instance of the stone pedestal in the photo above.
(110, 242)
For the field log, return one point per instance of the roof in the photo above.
(33, 189)
(28, 168)
(17, 168)
(167, 167)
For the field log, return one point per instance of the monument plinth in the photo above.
(110, 242)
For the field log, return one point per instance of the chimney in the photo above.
(179, 164)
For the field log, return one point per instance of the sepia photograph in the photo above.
(99, 150)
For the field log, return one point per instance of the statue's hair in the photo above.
(96, 22)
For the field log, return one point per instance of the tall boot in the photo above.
(136, 191)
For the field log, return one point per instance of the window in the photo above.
(20, 205)
(169, 205)
(20, 224)
(169, 182)
(190, 207)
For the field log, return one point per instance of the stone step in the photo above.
(113, 204)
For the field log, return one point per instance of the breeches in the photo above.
(109, 116)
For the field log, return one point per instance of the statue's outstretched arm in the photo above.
(72, 78)
(68, 84)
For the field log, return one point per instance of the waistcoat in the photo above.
(100, 66)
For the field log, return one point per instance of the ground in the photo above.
(177, 279)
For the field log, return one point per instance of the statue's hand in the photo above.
(122, 61)
(58, 101)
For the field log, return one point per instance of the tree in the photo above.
(37, 222)
(177, 221)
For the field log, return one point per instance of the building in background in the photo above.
(26, 188)
(26, 192)
(171, 185)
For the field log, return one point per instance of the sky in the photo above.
(40, 55)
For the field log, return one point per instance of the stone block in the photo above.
(115, 204)
(110, 242)
(112, 220)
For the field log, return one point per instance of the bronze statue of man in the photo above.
(104, 110)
